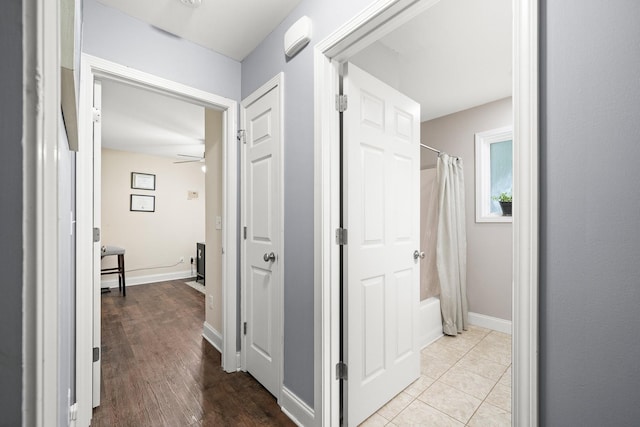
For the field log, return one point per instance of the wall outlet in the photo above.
(181, 260)
(210, 301)
(191, 260)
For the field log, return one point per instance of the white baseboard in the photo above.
(489, 322)
(143, 280)
(214, 337)
(294, 408)
(430, 321)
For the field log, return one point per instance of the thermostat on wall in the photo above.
(297, 36)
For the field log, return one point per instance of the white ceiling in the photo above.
(139, 120)
(454, 56)
(231, 27)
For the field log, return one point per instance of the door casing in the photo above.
(372, 23)
(92, 68)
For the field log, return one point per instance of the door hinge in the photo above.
(245, 232)
(73, 412)
(242, 136)
(341, 371)
(96, 235)
(341, 236)
(96, 354)
(341, 103)
(244, 327)
(97, 115)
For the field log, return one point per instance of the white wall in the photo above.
(213, 265)
(489, 245)
(157, 238)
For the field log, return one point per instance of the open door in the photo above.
(97, 194)
(381, 209)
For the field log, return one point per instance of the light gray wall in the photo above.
(11, 213)
(66, 278)
(489, 244)
(112, 35)
(590, 213)
(260, 66)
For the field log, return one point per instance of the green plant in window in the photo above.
(503, 197)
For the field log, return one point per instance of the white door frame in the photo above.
(91, 68)
(40, 120)
(276, 81)
(377, 20)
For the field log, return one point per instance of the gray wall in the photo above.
(11, 213)
(261, 65)
(489, 244)
(590, 213)
(66, 278)
(112, 35)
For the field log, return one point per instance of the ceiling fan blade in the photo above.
(188, 161)
(187, 155)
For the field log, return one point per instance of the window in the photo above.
(494, 172)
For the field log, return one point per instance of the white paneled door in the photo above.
(262, 276)
(381, 205)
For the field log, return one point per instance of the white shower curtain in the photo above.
(429, 284)
(451, 251)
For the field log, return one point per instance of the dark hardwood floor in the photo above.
(157, 370)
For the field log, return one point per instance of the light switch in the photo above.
(218, 223)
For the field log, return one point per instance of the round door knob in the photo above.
(417, 254)
(269, 257)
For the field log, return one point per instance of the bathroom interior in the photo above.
(455, 60)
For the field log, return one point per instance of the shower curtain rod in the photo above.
(430, 148)
(435, 150)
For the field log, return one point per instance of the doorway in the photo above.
(360, 32)
(95, 69)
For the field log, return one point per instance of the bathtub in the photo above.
(430, 321)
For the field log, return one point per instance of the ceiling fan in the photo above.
(193, 159)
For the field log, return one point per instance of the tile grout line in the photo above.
(437, 379)
(455, 364)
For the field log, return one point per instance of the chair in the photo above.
(119, 270)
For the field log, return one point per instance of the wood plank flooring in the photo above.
(157, 370)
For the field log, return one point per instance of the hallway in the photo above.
(157, 370)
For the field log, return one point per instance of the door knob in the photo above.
(417, 254)
(269, 257)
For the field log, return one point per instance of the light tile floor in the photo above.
(464, 381)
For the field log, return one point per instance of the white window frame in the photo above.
(483, 173)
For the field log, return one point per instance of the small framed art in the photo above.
(142, 203)
(143, 181)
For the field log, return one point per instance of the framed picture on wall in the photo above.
(143, 181)
(142, 203)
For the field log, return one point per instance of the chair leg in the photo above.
(121, 262)
(119, 273)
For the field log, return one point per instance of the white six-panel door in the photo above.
(381, 202)
(261, 120)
